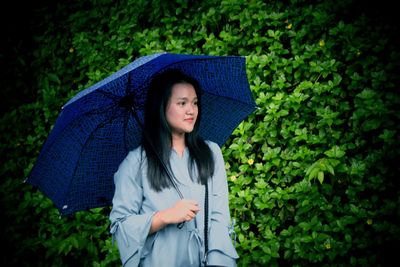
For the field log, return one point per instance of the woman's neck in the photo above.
(178, 144)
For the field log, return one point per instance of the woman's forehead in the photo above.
(183, 90)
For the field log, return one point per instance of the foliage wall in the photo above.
(313, 173)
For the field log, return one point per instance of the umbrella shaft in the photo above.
(167, 170)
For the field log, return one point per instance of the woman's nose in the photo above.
(191, 109)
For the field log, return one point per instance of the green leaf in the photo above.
(53, 77)
(321, 176)
(335, 152)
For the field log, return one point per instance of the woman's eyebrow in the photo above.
(185, 98)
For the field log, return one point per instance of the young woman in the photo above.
(159, 221)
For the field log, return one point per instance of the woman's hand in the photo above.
(183, 211)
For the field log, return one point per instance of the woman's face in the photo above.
(182, 109)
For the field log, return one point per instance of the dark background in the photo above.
(20, 22)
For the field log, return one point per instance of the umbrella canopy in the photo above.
(96, 129)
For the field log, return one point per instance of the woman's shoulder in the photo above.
(213, 146)
(135, 155)
(132, 162)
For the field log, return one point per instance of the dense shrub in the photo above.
(313, 173)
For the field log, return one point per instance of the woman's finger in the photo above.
(195, 209)
(191, 201)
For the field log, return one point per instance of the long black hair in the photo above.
(157, 137)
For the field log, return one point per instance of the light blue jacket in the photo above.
(135, 203)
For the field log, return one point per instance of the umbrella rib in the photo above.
(108, 94)
(85, 143)
(126, 121)
(229, 98)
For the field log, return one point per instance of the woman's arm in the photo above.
(221, 249)
(184, 210)
(129, 228)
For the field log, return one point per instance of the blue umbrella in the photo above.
(97, 128)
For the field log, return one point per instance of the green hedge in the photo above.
(313, 173)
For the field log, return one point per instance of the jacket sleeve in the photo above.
(221, 250)
(129, 228)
